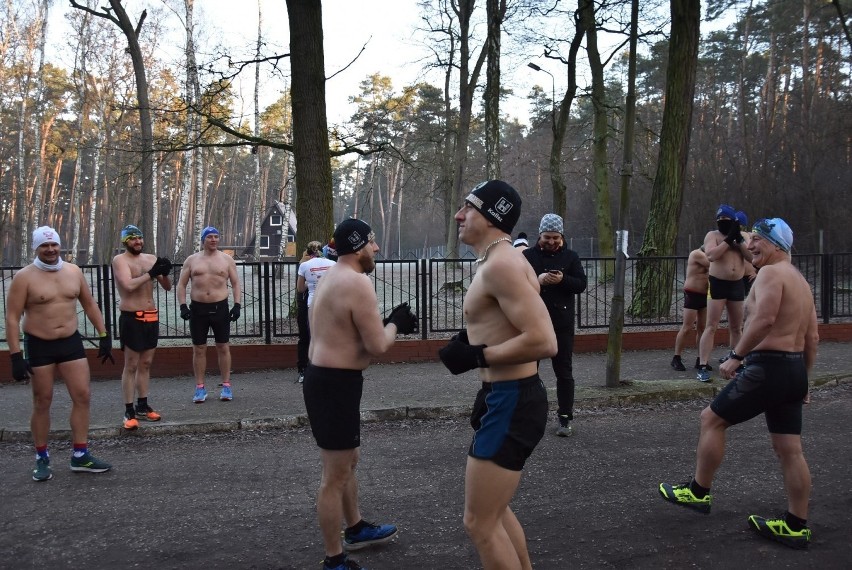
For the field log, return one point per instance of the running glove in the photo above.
(161, 267)
(21, 369)
(235, 312)
(734, 237)
(105, 348)
(185, 313)
(404, 319)
(460, 356)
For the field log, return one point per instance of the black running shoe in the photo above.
(778, 530)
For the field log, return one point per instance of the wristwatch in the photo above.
(736, 356)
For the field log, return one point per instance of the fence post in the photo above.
(267, 304)
(104, 280)
(421, 294)
(827, 282)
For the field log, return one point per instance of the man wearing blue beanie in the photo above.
(726, 249)
(210, 272)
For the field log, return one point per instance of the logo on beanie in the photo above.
(503, 206)
(475, 200)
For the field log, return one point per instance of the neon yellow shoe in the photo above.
(778, 530)
(682, 495)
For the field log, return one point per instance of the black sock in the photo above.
(335, 561)
(356, 528)
(128, 410)
(142, 403)
(795, 523)
(697, 490)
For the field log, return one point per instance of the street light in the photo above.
(531, 65)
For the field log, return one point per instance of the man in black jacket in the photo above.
(561, 277)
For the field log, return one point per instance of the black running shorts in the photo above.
(41, 352)
(333, 402)
(774, 383)
(509, 419)
(206, 316)
(138, 330)
(724, 289)
(694, 300)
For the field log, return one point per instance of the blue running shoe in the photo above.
(88, 463)
(226, 395)
(200, 395)
(346, 565)
(42, 471)
(369, 535)
(703, 375)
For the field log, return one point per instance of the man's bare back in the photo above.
(780, 287)
(697, 270)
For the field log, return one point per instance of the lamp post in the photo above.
(531, 65)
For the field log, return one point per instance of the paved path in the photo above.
(391, 391)
(245, 499)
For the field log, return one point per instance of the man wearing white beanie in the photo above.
(47, 292)
(561, 277)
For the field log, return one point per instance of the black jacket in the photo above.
(559, 298)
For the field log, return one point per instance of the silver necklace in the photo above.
(490, 245)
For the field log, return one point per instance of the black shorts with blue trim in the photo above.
(509, 419)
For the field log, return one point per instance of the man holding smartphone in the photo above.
(561, 277)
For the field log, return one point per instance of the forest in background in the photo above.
(771, 129)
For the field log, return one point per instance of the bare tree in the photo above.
(116, 14)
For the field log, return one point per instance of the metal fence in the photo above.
(435, 290)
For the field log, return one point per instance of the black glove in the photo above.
(185, 313)
(734, 237)
(105, 349)
(403, 318)
(161, 267)
(459, 356)
(21, 369)
(235, 312)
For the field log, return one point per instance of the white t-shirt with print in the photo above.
(312, 270)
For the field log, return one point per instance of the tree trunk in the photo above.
(653, 289)
(496, 11)
(312, 157)
(468, 79)
(600, 138)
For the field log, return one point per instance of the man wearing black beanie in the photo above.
(508, 332)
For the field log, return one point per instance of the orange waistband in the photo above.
(145, 316)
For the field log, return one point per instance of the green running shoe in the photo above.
(88, 463)
(42, 471)
(778, 530)
(682, 495)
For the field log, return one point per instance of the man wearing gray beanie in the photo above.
(561, 277)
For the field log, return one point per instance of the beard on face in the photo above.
(132, 250)
(367, 264)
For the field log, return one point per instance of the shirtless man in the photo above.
(346, 331)
(509, 331)
(45, 294)
(726, 249)
(694, 304)
(210, 271)
(139, 325)
(778, 347)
